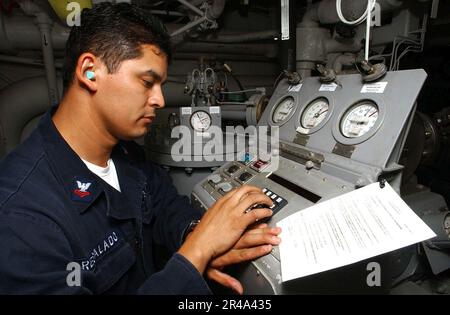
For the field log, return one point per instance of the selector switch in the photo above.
(214, 179)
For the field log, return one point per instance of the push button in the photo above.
(232, 169)
(225, 187)
(260, 165)
(245, 177)
(278, 201)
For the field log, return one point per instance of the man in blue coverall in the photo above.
(78, 192)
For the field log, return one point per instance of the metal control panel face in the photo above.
(236, 174)
(365, 116)
(291, 188)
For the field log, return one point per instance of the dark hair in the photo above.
(114, 33)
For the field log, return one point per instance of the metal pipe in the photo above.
(233, 111)
(163, 12)
(26, 61)
(188, 26)
(351, 9)
(343, 60)
(191, 7)
(44, 23)
(241, 38)
(19, 33)
(268, 50)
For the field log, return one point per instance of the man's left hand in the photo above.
(254, 243)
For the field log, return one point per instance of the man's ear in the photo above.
(85, 71)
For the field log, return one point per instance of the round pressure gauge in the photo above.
(315, 113)
(200, 121)
(359, 119)
(283, 110)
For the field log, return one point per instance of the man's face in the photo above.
(126, 100)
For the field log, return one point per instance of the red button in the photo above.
(259, 164)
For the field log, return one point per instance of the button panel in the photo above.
(278, 201)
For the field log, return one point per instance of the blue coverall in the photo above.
(54, 212)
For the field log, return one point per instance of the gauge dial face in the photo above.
(283, 110)
(200, 121)
(359, 119)
(315, 113)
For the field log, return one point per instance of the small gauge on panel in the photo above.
(359, 119)
(315, 113)
(200, 121)
(283, 110)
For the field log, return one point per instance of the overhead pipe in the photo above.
(268, 50)
(242, 38)
(25, 61)
(18, 33)
(45, 24)
(314, 42)
(212, 12)
(352, 9)
(188, 26)
(191, 7)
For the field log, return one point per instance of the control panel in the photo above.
(332, 139)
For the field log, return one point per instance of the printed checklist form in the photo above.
(364, 223)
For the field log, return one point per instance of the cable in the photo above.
(242, 91)
(370, 7)
(367, 15)
(413, 45)
(357, 21)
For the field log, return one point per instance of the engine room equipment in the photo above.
(211, 104)
(332, 140)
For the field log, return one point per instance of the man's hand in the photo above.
(223, 224)
(254, 243)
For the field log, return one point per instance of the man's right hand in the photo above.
(223, 224)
